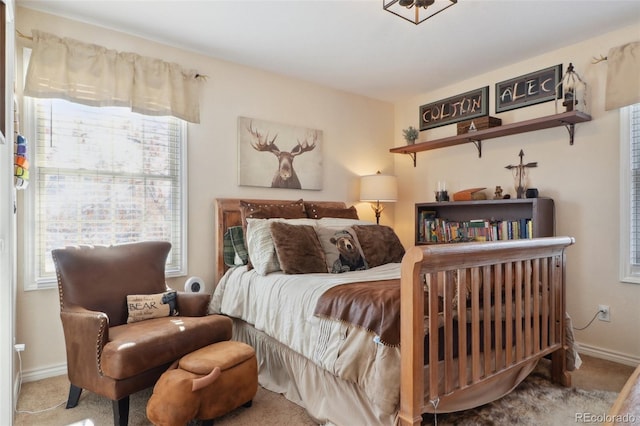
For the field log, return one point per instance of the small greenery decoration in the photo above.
(410, 134)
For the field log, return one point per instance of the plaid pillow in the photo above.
(233, 244)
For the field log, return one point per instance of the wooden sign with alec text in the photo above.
(528, 89)
(456, 108)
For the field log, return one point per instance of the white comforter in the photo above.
(282, 306)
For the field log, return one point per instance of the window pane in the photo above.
(105, 176)
(635, 184)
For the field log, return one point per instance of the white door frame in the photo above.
(8, 372)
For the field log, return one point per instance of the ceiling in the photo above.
(355, 45)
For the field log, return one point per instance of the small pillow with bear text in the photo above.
(147, 306)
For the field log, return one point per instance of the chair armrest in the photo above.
(193, 304)
(85, 334)
(85, 323)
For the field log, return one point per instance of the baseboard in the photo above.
(583, 348)
(34, 375)
(44, 373)
(609, 355)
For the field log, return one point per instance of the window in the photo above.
(101, 176)
(630, 194)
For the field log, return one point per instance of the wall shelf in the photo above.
(567, 119)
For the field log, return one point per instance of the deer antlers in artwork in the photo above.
(261, 143)
(285, 176)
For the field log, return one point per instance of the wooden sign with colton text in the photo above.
(528, 89)
(456, 108)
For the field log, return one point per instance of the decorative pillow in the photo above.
(234, 248)
(341, 250)
(264, 210)
(341, 223)
(262, 252)
(380, 244)
(315, 211)
(298, 249)
(146, 306)
(286, 210)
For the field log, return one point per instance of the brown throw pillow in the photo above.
(380, 244)
(285, 210)
(298, 248)
(314, 211)
(264, 210)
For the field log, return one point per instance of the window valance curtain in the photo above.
(93, 75)
(623, 76)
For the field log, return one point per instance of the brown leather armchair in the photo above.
(105, 354)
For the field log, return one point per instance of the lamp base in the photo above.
(377, 209)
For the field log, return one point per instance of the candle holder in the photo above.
(442, 196)
(441, 193)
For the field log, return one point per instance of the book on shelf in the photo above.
(425, 219)
(433, 229)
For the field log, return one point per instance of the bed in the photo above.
(498, 308)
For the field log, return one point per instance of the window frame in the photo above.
(33, 282)
(628, 272)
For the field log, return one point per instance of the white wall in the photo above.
(583, 179)
(357, 133)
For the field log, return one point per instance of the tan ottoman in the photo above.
(174, 400)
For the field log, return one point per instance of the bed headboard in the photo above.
(229, 213)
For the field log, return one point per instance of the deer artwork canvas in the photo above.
(278, 155)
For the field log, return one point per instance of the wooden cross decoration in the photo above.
(520, 174)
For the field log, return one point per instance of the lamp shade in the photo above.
(379, 187)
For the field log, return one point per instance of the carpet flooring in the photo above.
(536, 401)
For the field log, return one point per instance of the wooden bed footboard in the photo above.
(504, 301)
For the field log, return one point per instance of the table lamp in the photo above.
(378, 189)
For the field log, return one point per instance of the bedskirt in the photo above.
(327, 398)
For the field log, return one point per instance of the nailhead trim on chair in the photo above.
(59, 283)
(99, 346)
(103, 320)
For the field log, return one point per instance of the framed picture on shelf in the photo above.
(461, 107)
(529, 89)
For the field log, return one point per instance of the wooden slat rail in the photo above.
(510, 312)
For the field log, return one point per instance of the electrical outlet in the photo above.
(603, 313)
(19, 347)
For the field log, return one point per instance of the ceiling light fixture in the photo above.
(410, 10)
